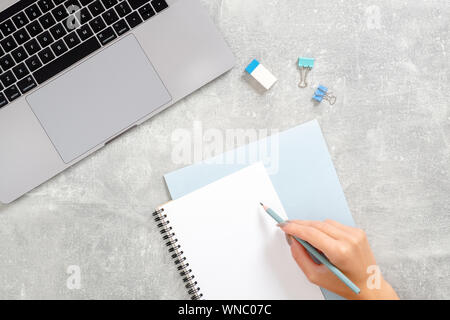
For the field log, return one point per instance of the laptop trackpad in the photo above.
(101, 97)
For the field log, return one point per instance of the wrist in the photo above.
(384, 292)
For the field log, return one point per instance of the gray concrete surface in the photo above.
(389, 136)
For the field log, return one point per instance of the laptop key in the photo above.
(137, 3)
(58, 31)
(20, 20)
(97, 24)
(85, 32)
(7, 79)
(46, 55)
(72, 5)
(32, 47)
(106, 36)
(33, 12)
(26, 84)
(85, 2)
(34, 28)
(123, 9)
(159, 5)
(146, 12)
(33, 63)
(59, 47)
(12, 93)
(84, 16)
(68, 59)
(3, 101)
(121, 27)
(72, 40)
(110, 16)
(60, 13)
(6, 62)
(7, 27)
(47, 20)
(20, 71)
(46, 5)
(109, 3)
(96, 8)
(133, 19)
(45, 39)
(21, 36)
(8, 44)
(19, 54)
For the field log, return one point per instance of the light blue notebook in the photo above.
(299, 166)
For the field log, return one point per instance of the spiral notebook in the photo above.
(226, 247)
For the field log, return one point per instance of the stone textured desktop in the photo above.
(388, 134)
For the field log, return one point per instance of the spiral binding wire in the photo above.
(177, 254)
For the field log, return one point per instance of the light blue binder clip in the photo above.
(323, 94)
(305, 65)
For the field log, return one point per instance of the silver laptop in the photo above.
(76, 74)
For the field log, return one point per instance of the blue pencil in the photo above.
(316, 254)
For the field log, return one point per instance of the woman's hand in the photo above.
(347, 248)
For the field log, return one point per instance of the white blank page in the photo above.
(233, 247)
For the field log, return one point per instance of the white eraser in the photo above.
(261, 74)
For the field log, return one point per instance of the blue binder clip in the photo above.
(323, 94)
(305, 65)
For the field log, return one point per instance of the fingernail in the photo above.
(288, 239)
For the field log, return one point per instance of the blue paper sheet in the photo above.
(299, 166)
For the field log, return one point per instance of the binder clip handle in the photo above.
(303, 74)
(322, 94)
(330, 98)
(305, 65)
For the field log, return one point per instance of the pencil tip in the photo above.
(261, 204)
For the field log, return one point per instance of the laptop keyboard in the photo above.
(41, 38)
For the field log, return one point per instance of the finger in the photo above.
(340, 226)
(353, 234)
(304, 261)
(315, 237)
(288, 239)
(327, 228)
